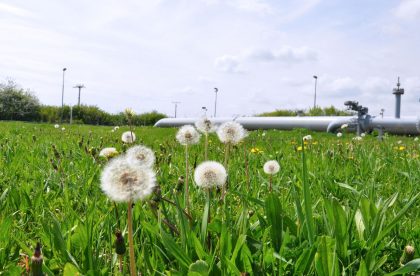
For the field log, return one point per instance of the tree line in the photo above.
(19, 104)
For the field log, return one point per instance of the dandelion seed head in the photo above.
(416, 139)
(128, 137)
(56, 125)
(231, 132)
(141, 155)
(358, 138)
(63, 128)
(210, 174)
(363, 134)
(271, 167)
(343, 126)
(123, 181)
(188, 135)
(108, 152)
(307, 138)
(204, 125)
(129, 112)
(339, 134)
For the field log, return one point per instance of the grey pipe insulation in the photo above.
(367, 123)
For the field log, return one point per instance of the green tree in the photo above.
(17, 103)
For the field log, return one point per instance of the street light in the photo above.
(62, 97)
(176, 106)
(316, 79)
(215, 100)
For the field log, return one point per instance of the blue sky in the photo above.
(261, 55)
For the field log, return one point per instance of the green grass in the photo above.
(345, 207)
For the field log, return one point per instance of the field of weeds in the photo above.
(337, 206)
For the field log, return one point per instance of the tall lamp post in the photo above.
(215, 101)
(62, 97)
(316, 80)
(176, 106)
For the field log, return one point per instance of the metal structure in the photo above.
(359, 123)
(316, 80)
(215, 100)
(62, 97)
(176, 107)
(398, 92)
(80, 86)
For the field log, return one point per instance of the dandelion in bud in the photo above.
(408, 254)
(129, 113)
(108, 153)
(37, 261)
(210, 174)
(120, 248)
(141, 155)
(128, 137)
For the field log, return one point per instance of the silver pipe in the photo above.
(405, 125)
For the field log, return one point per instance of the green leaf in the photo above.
(70, 270)
(175, 250)
(305, 260)
(273, 211)
(199, 268)
(363, 271)
(413, 266)
(326, 262)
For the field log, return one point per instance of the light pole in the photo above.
(316, 80)
(215, 100)
(80, 86)
(62, 97)
(176, 106)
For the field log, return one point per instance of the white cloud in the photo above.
(408, 9)
(11, 9)
(228, 63)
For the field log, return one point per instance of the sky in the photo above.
(261, 55)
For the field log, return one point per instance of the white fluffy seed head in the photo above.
(108, 152)
(343, 126)
(128, 137)
(188, 135)
(210, 174)
(141, 155)
(56, 125)
(339, 134)
(231, 133)
(271, 167)
(307, 138)
(123, 181)
(204, 125)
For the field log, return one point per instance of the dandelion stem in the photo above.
(227, 149)
(206, 145)
(133, 271)
(120, 258)
(186, 196)
(246, 169)
(271, 181)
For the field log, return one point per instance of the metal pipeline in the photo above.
(405, 125)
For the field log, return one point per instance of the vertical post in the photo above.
(215, 101)
(316, 80)
(71, 114)
(62, 97)
(176, 105)
(78, 100)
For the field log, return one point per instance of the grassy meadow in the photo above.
(338, 206)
